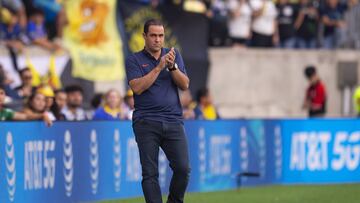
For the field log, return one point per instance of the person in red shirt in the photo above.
(315, 97)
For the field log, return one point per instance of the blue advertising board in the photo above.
(69, 162)
(321, 151)
(91, 161)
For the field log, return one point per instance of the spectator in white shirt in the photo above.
(264, 25)
(239, 22)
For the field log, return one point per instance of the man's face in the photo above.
(154, 38)
(2, 97)
(26, 77)
(75, 99)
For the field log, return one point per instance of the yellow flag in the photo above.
(54, 79)
(93, 40)
(36, 78)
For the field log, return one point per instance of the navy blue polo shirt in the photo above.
(161, 101)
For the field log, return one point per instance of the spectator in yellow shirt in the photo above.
(205, 109)
(357, 100)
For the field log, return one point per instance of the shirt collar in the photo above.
(113, 112)
(147, 54)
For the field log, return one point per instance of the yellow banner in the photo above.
(93, 40)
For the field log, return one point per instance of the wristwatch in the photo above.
(174, 67)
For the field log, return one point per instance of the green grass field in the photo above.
(347, 193)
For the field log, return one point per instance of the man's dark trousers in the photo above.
(150, 135)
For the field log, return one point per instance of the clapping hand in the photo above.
(170, 57)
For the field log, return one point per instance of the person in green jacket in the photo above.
(7, 114)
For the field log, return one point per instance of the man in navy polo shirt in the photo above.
(155, 74)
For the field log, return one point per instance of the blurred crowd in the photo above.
(256, 23)
(45, 102)
(40, 23)
(31, 22)
(28, 102)
(302, 24)
(241, 23)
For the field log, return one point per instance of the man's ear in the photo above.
(144, 35)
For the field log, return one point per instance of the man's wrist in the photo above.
(173, 67)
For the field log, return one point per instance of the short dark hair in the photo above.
(74, 88)
(150, 22)
(309, 71)
(203, 92)
(24, 70)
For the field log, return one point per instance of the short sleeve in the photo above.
(180, 62)
(133, 70)
(9, 114)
